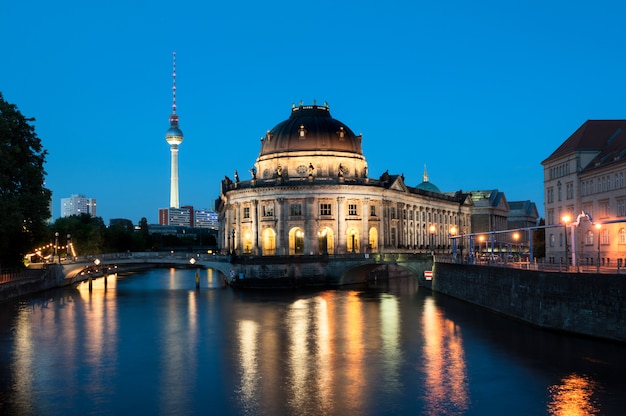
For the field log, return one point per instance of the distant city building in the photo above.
(77, 205)
(206, 219)
(492, 214)
(584, 178)
(182, 217)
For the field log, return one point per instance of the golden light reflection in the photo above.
(390, 335)
(297, 316)
(446, 370)
(248, 333)
(573, 397)
(354, 353)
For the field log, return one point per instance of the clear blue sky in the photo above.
(481, 92)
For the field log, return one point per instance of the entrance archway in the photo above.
(352, 241)
(268, 243)
(373, 240)
(326, 240)
(296, 241)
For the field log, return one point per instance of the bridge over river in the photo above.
(334, 270)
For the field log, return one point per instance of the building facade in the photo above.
(310, 193)
(78, 205)
(585, 196)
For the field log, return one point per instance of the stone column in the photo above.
(256, 250)
(280, 226)
(311, 239)
(365, 236)
(340, 246)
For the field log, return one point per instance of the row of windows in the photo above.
(325, 209)
(590, 238)
(558, 171)
(602, 184)
(604, 211)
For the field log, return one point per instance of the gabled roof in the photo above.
(593, 135)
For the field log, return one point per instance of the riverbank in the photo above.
(581, 303)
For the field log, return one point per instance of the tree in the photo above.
(24, 200)
(539, 241)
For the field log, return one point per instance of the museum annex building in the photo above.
(310, 193)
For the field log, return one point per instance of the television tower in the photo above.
(174, 137)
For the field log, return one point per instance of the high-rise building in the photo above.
(183, 216)
(174, 137)
(77, 205)
(206, 219)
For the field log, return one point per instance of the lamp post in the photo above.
(453, 236)
(566, 219)
(432, 230)
(68, 249)
(516, 238)
(598, 226)
(56, 246)
(232, 247)
(481, 238)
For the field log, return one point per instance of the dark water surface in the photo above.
(150, 343)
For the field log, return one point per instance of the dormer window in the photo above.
(341, 133)
(268, 136)
(302, 131)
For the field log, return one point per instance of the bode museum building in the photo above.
(310, 194)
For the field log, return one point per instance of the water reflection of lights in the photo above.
(572, 397)
(248, 333)
(390, 334)
(446, 372)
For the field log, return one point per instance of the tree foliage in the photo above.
(24, 200)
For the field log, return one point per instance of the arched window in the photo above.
(269, 242)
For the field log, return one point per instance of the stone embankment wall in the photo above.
(581, 303)
(33, 281)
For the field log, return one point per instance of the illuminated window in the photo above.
(589, 238)
(622, 236)
(302, 131)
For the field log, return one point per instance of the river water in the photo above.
(151, 343)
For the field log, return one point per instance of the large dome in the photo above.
(310, 128)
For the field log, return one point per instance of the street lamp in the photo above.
(481, 238)
(566, 219)
(453, 236)
(432, 230)
(516, 238)
(233, 241)
(598, 226)
(56, 246)
(68, 248)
